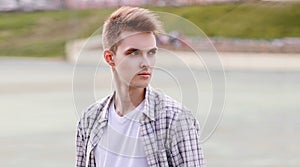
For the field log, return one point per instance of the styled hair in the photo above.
(131, 19)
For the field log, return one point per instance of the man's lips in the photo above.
(145, 75)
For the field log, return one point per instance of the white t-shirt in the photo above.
(121, 144)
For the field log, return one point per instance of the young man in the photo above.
(136, 125)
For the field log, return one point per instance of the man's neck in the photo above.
(128, 98)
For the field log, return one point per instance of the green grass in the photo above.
(44, 34)
(243, 20)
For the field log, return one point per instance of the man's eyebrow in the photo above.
(154, 49)
(130, 50)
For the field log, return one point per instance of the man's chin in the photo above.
(139, 85)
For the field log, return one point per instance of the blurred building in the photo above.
(115, 3)
(30, 5)
(33, 5)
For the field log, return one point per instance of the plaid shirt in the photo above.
(169, 131)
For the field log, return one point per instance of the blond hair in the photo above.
(131, 19)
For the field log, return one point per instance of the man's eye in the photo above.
(135, 53)
(152, 52)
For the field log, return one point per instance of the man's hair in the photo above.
(131, 19)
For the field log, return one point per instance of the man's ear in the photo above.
(108, 56)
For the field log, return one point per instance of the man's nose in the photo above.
(145, 62)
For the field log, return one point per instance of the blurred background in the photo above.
(51, 69)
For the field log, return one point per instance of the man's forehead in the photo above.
(127, 34)
(143, 43)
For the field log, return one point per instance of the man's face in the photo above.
(135, 58)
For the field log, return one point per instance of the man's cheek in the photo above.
(152, 61)
(128, 75)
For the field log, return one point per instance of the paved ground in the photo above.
(260, 125)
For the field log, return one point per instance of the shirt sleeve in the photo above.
(80, 147)
(185, 146)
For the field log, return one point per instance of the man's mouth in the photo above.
(144, 74)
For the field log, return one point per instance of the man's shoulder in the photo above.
(168, 104)
(169, 109)
(95, 108)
